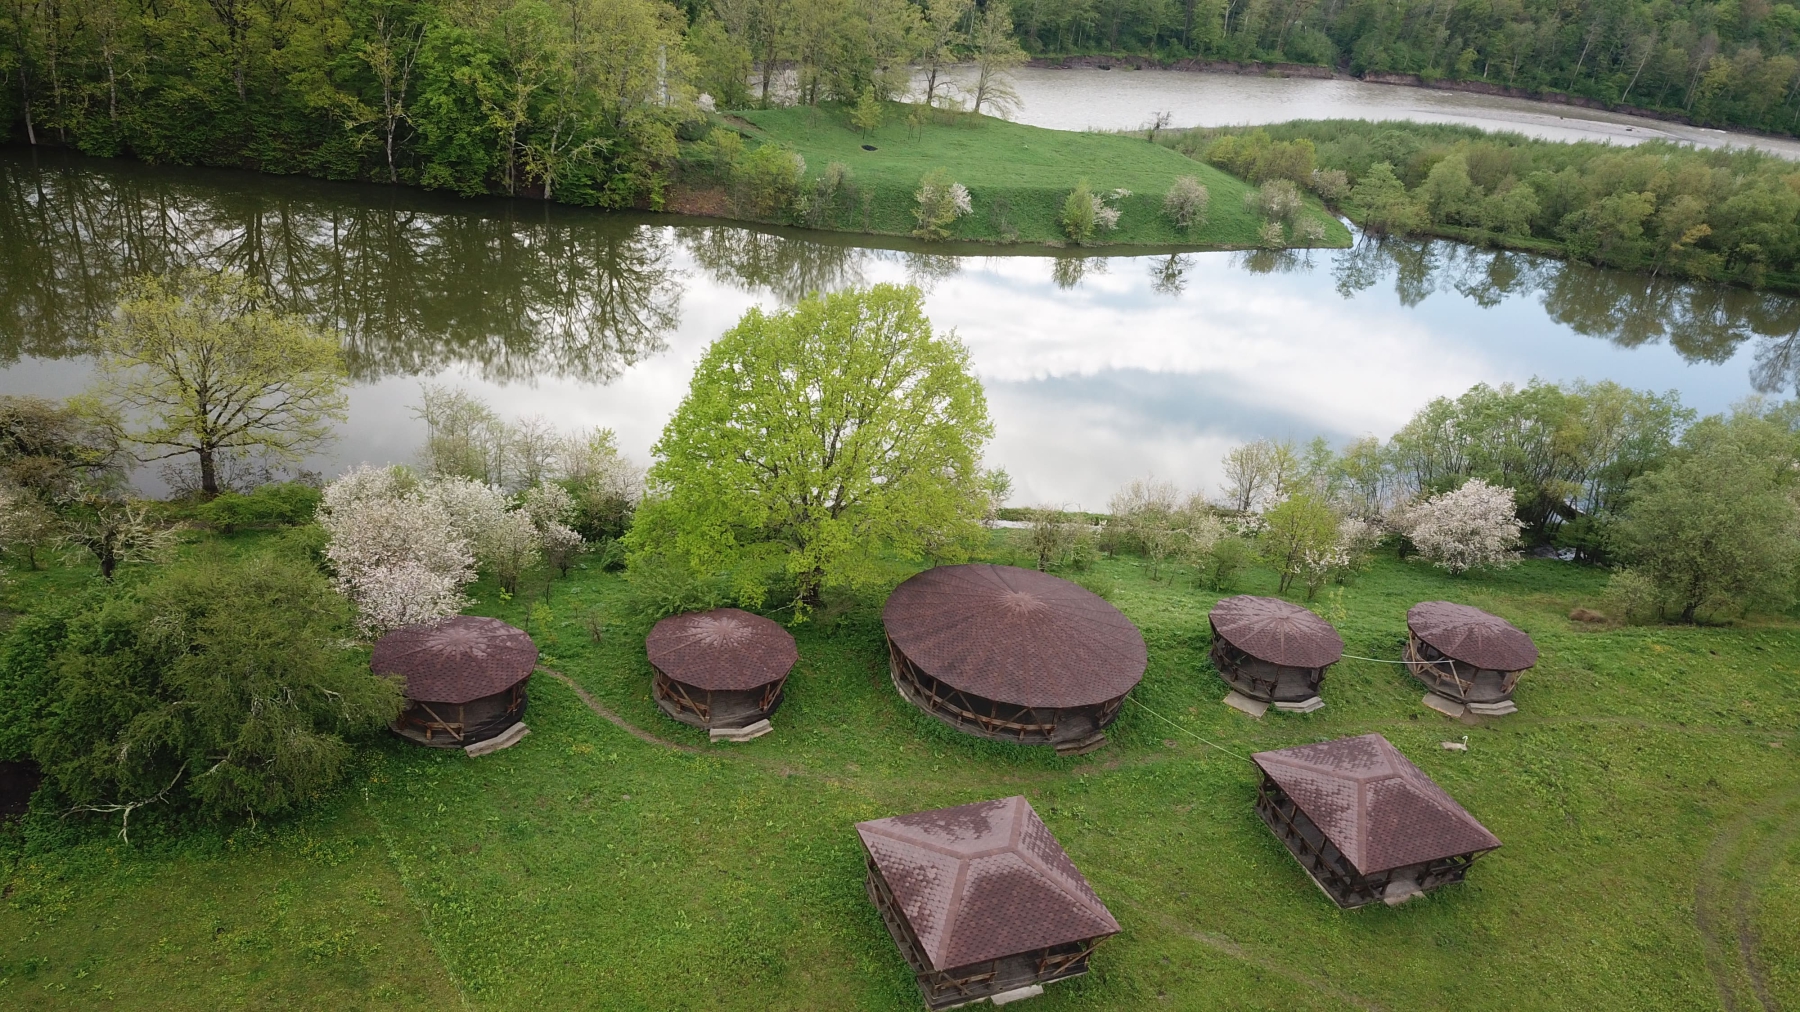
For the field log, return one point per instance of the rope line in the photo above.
(1377, 660)
(1185, 731)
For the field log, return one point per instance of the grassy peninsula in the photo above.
(1730, 215)
(588, 867)
(1018, 178)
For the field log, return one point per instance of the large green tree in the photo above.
(220, 684)
(813, 441)
(196, 364)
(1715, 532)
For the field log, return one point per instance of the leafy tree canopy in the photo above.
(219, 685)
(814, 440)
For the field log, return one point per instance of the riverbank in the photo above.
(1018, 178)
(1257, 68)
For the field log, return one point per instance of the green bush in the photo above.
(220, 686)
(280, 504)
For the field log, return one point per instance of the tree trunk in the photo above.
(108, 563)
(209, 476)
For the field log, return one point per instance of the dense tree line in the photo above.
(1727, 63)
(1726, 215)
(576, 100)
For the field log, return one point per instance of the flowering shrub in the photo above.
(942, 200)
(1186, 202)
(396, 552)
(1471, 526)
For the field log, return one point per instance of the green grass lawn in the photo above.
(1646, 794)
(1018, 177)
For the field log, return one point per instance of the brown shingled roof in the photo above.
(455, 660)
(1015, 636)
(1472, 636)
(721, 649)
(1276, 631)
(1377, 808)
(982, 881)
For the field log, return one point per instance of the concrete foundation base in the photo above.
(745, 733)
(1017, 994)
(1238, 701)
(1301, 706)
(505, 739)
(1447, 707)
(1500, 709)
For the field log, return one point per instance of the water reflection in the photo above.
(1098, 369)
(412, 283)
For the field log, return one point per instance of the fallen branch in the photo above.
(128, 807)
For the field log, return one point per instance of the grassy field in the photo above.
(1017, 175)
(1646, 794)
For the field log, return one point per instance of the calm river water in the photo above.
(1097, 370)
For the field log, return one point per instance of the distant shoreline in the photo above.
(1315, 72)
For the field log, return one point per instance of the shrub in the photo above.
(1299, 536)
(280, 504)
(1186, 203)
(1271, 235)
(1332, 185)
(769, 180)
(1465, 528)
(941, 200)
(1276, 200)
(220, 684)
(1077, 217)
(1224, 562)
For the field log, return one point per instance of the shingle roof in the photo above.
(1015, 635)
(1377, 808)
(455, 660)
(1472, 636)
(1276, 631)
(982, 881)
(721, 649)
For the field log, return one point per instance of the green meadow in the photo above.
(1646, 795)
(1018, 177)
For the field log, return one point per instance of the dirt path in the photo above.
(1736, 864)
(603, 710)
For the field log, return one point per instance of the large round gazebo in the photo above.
(719, 669)
(1012, 654)
(1273, 651)
(1466, 656)
(465, 679)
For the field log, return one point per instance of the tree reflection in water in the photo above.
(413, 283)
(1701, 322)
(418, 283)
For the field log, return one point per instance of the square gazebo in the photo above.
(1364, 822)
(982, 901)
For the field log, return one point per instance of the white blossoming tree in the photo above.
(1468, 527)
(550, 508)
(942, 200)
(397, 555)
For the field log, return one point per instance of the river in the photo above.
(1125, 99)
(1097, 370)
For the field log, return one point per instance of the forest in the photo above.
(586, 101)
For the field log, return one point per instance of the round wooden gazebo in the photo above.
(1273, 651)
(719, 669)
(1467, 656)
(465, 678)
(1012, 654)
